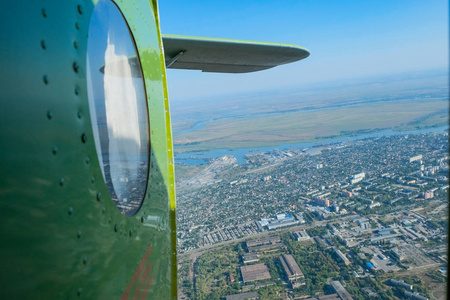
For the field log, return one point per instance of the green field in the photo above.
(310, 126)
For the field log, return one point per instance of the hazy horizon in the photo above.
(441, 73)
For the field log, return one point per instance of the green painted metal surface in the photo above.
(62, 236)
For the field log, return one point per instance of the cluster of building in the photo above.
(368, 233)
(408, 288)
(364, 177)
(259, 271)
(374, 203)
(230, 233)
(253, 271)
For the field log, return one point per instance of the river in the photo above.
(196, 158)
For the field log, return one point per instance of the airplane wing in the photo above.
(226, 55)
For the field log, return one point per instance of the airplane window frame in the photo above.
(128, 207)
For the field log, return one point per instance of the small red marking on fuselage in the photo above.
(143, 279)
(136, 274)
(150, 280)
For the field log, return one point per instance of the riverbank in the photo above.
(196, 157)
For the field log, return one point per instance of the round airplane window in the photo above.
(118, 108)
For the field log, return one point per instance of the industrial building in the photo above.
(264, 241)
(301, 235)
(254, 272)
(250, 257)
(342, 256)
(341, 291)
(264, 245)
(401, 284)
(386, 231)
(293, 272)
(282, 223)
(281, 220)
(415, 296)
(377, 239)
(266, 248)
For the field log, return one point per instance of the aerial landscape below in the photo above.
(342, 198)
(323, 179)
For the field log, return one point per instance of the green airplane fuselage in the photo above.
(61, 235)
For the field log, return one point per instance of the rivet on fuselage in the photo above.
(76, 67)
(87, 160)
(44, 13)
(70, 210)
(92, 179)
(129, 233)
(76, 90)
(84, 260)
(142, 219)
(43, 46)
(45, 79)
(75, 44)
(79, 115)
(77, 26)
(61, 181)
(80, 10)
(54, 150)
(49, 114)
(99, 196)
(103, 209)
(79, 234)
(116, 228)
(79, 291)
(84, 138)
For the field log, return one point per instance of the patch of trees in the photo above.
(316, 267)
(316, 231)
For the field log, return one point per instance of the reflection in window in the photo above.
(117, 104)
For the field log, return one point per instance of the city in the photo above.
(369, 216)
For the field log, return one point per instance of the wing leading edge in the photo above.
(227, 56)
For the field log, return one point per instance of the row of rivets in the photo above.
(84, 139)
(76, 69)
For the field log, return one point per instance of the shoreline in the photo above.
(197, 157)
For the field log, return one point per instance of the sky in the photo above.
(347, 39)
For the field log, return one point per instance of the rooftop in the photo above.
(290, 266)
(255, 272)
